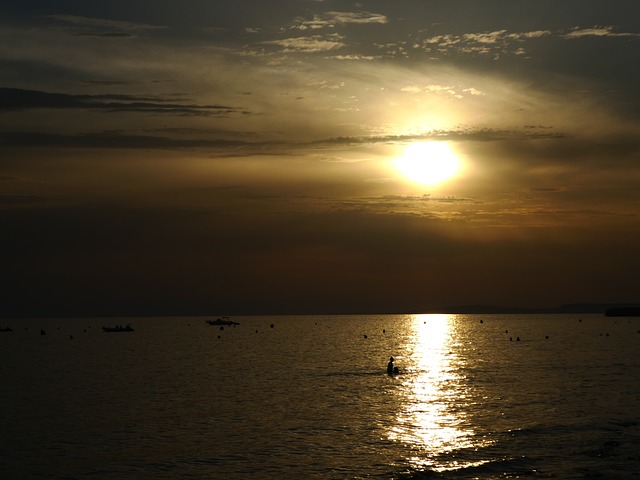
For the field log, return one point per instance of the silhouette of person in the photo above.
(390, 367)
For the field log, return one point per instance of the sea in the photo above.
(308, 397)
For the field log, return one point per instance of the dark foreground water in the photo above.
(309, 398)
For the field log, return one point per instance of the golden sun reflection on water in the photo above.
(431, 420)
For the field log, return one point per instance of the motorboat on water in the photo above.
(222, 321)
(118, 328)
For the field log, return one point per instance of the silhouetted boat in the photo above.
(6, 329)
(118, 328)
(224, 321)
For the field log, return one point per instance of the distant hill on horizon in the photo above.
(566, 308)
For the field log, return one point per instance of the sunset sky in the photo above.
(231, 157)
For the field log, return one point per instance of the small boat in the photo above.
(222, 321)
(119, 328)
(6, 329)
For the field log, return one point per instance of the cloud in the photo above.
(506, 42)
(178, 138)
(462, 134)
(482, 43)
(333, 19)
(15, 99)
(449, 90)
(425, 206)
(579, 32)
(113, 140)
(104, 34)
(103, 24)
(354, 57)
(315, 43)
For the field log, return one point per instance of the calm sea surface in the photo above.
(308, 398)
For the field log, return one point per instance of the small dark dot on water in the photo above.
(366, 336)
(547, 337)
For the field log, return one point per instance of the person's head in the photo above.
(391, 359)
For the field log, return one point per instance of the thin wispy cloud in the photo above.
(13, 99)
(608, 31)
(90, 26)
(505, 41)
(312, 44)
(333, 19)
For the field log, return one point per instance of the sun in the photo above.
(428, 163)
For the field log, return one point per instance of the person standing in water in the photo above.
(390, 367)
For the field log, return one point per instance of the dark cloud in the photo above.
(115, 139)
(15, 99)
(461, 135)
(104, 34)
(111, 140)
